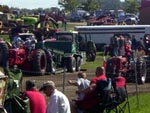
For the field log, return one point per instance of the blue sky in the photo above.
(30, 4)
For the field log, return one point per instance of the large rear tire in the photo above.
(141, 71)
(40, 62)
(78, 64)
(71, 64)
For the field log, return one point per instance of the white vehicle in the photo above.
(101, 35)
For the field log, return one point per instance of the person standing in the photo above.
(140, 52)
(128, 52)
(58, 102)
(134, 45)
(141, 43)
(116, 46)
(121, 45)
(64, 23)
(37, 100)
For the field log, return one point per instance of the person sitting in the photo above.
(17, 41)
(29, 44)
(91, 99)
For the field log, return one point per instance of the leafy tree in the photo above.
(90, 5)
(4, 8)
(69, 5)
(131, 6)
(110, 4)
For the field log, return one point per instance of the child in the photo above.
(81, 83)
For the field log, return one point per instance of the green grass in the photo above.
(5, 37)
(140, 106)
(92, 65)
(70, 26)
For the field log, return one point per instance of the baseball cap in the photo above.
(47, 84)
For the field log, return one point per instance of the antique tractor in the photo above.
(24, 58)
(133, 68)
(136, 69)
(46, 55)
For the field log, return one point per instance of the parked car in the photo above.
(75, 18)
(131, 19)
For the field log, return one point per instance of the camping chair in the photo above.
(119, 101)
(104, 88)
(103, 91)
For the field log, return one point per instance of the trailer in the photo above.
(101, 35)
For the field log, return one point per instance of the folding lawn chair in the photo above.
(119, 101)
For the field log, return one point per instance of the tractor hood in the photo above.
(65, 46)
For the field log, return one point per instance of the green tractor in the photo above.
(65, 51)
(30, 21)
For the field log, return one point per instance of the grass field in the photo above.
(140, 105)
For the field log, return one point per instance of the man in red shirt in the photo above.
(91, 99)
(37, 100)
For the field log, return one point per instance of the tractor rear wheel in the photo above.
(40, 62)
(3, 54)
(141, 71)
(78, 64)
(71, 64)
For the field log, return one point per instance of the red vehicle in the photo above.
(102, 20)
(119, 64)
(33, 60)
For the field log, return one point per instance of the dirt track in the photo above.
(61, 80)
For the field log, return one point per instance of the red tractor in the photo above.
(131, 67)
(130, 71)
(27, 59)
(31, 55)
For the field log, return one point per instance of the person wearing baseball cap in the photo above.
(58, 102)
